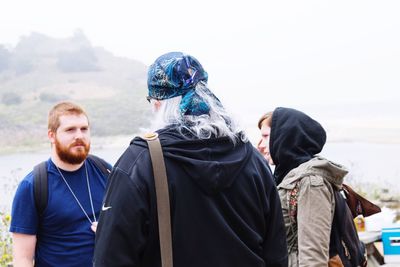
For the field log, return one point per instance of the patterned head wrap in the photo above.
(176, 74)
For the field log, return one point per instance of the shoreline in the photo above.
(121, 141)
(372, 166)
(97, 143)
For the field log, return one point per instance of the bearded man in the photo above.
(62, 234)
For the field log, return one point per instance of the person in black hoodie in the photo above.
(225, 208)
(291, 141)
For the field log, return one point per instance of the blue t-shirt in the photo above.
(64, 237)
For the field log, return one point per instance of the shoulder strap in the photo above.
(101, 164)
(344, 238)
(163, 207)
(40, 186)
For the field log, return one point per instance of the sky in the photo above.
(339, 61)
(312, 55)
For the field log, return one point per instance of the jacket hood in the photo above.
(213, 164)
(294, 139)
(332, 172)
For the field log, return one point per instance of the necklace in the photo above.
(77, 200)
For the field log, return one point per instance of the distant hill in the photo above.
(41, 71)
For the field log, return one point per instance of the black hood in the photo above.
(213, 164)
(294, 139)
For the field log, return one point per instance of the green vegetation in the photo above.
(41, 71)
(5, 240)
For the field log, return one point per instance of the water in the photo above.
(368, 162)
(376, 164)
(14, 167)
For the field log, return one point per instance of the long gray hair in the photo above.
(218, 123)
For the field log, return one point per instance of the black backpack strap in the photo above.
(344, 238)
(40, 187)
(101, 164)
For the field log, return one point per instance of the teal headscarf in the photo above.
(176, 74)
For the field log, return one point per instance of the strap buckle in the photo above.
(150, 136)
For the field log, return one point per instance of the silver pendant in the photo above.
(94, 226)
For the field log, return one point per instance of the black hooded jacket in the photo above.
(294, 139)
(225, 209)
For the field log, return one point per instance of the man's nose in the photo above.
(78, 134)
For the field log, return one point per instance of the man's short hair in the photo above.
(61, 109)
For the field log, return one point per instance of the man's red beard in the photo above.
(66, 154)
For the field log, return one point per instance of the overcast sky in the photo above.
(262, 53)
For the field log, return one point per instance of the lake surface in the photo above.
(376, 164)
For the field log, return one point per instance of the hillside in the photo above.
(41, 71)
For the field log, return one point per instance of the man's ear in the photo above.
(52, 136)
(157, 104)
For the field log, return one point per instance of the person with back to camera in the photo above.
(225, 209)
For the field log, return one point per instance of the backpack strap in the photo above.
(344, 238)
(40, 187)
(101, 164)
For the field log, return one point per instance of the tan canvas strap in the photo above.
(163, 208)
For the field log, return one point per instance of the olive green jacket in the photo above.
(308, 239)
